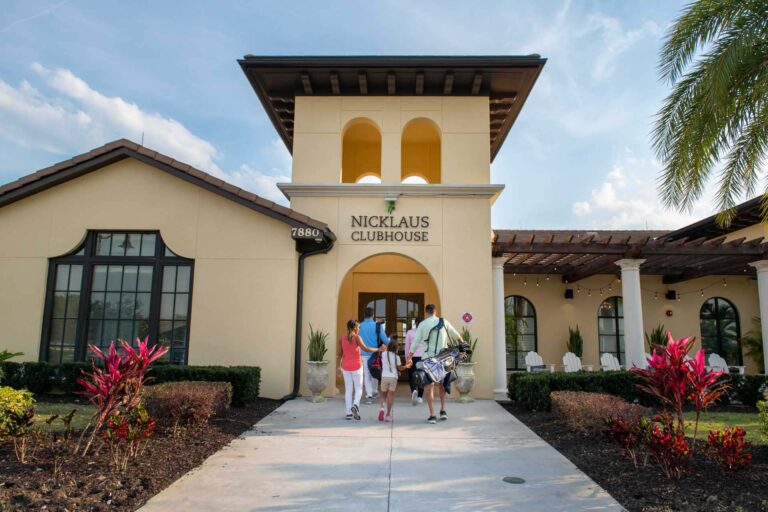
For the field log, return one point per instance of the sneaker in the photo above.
(375, 395)
(387, 419)
(381, 415)
(443, 416)
(356, 412)
(348, 416)
(431, 420)
(420, 400)
(369, 400)
(414, 397)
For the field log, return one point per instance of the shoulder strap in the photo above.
(378, 334)
(436, 328)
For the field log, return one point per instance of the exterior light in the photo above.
(525, 281)
(725, 283)
(702, 292)
(537, 281)
(589, 293)
(655, 295)
(578, 289)
(547, 277)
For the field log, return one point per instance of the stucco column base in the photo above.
(499, 331)
(762, 293)
(634, 336)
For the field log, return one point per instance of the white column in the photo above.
(634, 336)
(499, 334)
(762, 293)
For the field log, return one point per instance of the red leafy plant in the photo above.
(677, 380)
(632, 435)
(127, 434)
(116, 382)
(668, 446)
(585, 412)
(729, 448)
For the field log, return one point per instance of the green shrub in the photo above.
(575, 341)
(43, 377)
(532, 389)
(245, 380)
(762, 408)
(4, 356)
(14, 404)
(746, 388)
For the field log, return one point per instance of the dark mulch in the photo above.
(708, 488)
(90, 484)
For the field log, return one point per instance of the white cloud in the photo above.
(71, 117)
(628, 199)
(615, 41)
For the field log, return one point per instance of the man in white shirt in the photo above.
(435, 340)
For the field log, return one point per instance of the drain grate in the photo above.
(513, 480)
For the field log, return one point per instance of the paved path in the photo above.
(307, 457)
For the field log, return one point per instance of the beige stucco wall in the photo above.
(750, 232)
(462, 121)
(555, 313)
(244, 295)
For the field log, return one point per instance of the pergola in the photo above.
(576, 255)
(699, 250)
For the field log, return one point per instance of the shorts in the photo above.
(446, 381)
(388, 384)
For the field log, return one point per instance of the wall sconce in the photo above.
(569, 293)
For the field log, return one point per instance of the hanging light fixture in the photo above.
(655, 295)
(537, 282)
(525, 281)
(725, 283)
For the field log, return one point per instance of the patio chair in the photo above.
(572, 363)
(534, 362)
(609, 363)
(717, 363)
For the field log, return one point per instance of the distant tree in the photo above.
(716, 58)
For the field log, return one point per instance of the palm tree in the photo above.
(716, 58)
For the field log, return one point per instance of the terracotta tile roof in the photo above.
(123, 148)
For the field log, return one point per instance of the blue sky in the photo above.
(76, 74)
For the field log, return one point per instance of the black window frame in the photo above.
(719, 331)
(88, 259)
(535, 332)
(614, 301)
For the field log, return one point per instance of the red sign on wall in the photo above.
(467, 317)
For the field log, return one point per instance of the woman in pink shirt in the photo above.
(416, 392)
(351, 367)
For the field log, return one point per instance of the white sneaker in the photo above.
(414, 397)
(420, 400)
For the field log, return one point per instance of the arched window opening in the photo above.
(361, 151)
(610, 328)
(117, 285)
(420, 151)
(720, 330)
(414, 180)
(369, 179)
(520, 330)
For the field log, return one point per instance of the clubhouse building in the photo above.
(390, 207)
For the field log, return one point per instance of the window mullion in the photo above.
(83, 313)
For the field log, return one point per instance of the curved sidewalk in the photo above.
(306, 457)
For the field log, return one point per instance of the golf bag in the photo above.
(435, 369)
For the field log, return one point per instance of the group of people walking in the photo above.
(364, 339)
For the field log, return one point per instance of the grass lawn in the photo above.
(718, 420)
(43, 410)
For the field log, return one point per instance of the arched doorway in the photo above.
(395, 286)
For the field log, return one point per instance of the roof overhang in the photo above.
(505, 80)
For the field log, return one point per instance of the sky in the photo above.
(77, 74)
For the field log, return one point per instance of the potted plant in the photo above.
(575, 341)
(317, 366)
(465, 370)
(657, 339)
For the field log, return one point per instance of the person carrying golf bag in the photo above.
(434, 334)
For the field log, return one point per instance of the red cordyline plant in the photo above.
(116, 381)
(676, 380)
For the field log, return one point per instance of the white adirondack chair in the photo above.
(609, 363)
(716, 362)
(572, 363)
(534, 359)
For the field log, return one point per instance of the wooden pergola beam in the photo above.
(335, 89)
(306, 84)
(717, 266)
(362, 82)
(476, 83)
(391, 85)
(645, 250)
(448, 84)
(599, 265)
(419, 84)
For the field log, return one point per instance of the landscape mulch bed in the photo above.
(89, 484)
(708, 488)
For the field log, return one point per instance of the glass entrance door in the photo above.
(398, 311)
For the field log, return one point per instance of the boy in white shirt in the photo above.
(390, 365)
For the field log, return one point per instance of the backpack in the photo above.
(436, 328)
(374, 362)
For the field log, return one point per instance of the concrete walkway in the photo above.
(307, 457)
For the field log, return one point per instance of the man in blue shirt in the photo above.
(368, 334)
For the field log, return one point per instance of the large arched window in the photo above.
(420, 151)
(117, 285)
(361, 152)
(520, 330)
(610, 327)
(720, 331)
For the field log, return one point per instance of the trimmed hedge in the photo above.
(532, 389)
(43, 377)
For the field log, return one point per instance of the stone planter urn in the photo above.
(317, 379)
(465, 380)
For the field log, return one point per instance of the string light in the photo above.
(655, 295)
(601, 292)
(725, 283)
(678, 297)
(609, 288)
(589, 293)
(578, 289)
(537, 282)
(702, 292)
(547, 277)
(525, 281)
